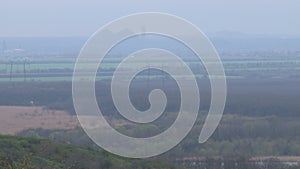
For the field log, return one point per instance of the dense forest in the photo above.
(249, 97)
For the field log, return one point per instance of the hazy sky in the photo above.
(83, 17)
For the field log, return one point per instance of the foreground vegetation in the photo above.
(34, 153)
(236, 136)
(235, 142)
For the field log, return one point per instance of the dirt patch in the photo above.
(14, 119)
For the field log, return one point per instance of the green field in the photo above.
(61, 69)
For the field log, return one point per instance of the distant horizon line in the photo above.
(217, 34)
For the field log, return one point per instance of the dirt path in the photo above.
(277, 158)
(252, 159)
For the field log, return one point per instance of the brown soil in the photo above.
(14, 119)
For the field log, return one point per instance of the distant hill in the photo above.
(223, 41)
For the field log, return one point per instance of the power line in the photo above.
(24, 69)
(11, 69)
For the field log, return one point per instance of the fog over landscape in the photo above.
(258, 42)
